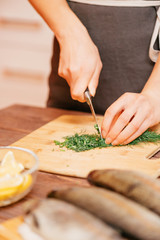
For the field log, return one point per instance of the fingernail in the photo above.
(115, 142)
(108, 140)
(92, 92)
(103, 134)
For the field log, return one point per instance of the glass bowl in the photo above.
(20, 184)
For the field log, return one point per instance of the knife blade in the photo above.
(89, 102)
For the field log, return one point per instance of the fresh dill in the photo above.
(84, 142)
(97, 128)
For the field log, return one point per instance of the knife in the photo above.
(89, 102)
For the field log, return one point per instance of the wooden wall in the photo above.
(25, 52)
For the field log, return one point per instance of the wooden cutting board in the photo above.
(54, 160)
(9, 229)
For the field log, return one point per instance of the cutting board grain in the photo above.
(9, 229)
(54, 160)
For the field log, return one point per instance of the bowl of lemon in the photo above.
(18, 170)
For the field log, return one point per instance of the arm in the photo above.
(132, 114)
(79, 63)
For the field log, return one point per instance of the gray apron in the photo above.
(123, 37)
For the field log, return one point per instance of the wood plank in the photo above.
(9, 136)
(29, 118)
(71, 163)
(16, 122)
(9, 229)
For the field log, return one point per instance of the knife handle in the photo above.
(87, 92)
(87, 96)
(87, 89)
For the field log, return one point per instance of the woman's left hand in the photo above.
(129, 116)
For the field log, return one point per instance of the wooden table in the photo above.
(16, 122)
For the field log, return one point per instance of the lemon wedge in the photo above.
(14, 186)
(3, 171)
(10, 165)
(7, 193)
(27, 181)
(12, 182)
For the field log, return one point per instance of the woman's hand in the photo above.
(129, 116)
(133, 113)
(80, 64)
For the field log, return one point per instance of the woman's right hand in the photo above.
(79, 64)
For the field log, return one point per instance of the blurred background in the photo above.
(25, 53)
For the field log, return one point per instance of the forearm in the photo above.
(152, 87)
(58, 15)
(79, 63)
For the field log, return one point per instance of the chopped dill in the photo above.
(97, 128)
(84, 142)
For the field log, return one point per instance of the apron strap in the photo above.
(153, 53)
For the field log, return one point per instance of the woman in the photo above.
(90, 33)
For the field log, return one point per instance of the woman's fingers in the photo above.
(87, 80)
(132, 127)
(120, 124)
(111, 115)
(127, 118)
(145, 125)
(78, 87)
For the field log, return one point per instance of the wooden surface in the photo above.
(72, 163)
(9, 229)
(16, 122)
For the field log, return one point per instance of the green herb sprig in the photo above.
(84, 142)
